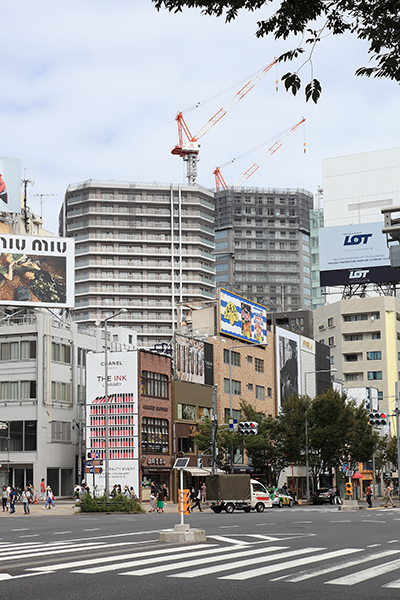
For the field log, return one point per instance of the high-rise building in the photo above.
(262, 245)
(143, 247)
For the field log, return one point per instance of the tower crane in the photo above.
(188, 146)
(220, 183)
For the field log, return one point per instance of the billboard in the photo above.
(10, 184)
(193, 360)
(123, 418)
(36, 271)
(366, 395)
(287, 364)
(354, 254)
(241, 318)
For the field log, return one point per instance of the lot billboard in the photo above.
(10, 184)
(36, 271)
(242, 319)
(354, 254)
(193, 360)
(123, 418)
(287, 364)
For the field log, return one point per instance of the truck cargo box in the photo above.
(228, 487)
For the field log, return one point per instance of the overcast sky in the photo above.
(90, 90)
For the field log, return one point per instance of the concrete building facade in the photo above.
(142, 247)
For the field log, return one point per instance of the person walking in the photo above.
(152, 502)
(42, 494)
(197, 501)
(12, 500)
(165, 493)
(160, 501)
(49, 498)
(337, 499)
(388, 495)
(4, 498)
(26, 496)
(204, 493)
(368, 495)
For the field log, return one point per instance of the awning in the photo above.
(195, 472)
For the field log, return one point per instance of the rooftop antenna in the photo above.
(41, 196)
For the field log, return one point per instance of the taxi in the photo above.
(280, 497)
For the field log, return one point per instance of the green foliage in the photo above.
(103, 504)
(375, 21)
(391, 451)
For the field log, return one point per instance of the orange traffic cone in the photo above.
(35, 500)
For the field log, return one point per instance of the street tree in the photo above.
(375, 21)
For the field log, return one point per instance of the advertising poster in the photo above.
(123, 418)
(36, 271)
(288, 364)
(10, 184)
(241, 318)
(193, 360)
(354, 254)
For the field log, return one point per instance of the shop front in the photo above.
(157, 470)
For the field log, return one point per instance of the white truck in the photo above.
(236, 492)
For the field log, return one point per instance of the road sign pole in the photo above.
(181, 498)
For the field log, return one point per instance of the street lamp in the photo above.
(106, 461)
(306, 426)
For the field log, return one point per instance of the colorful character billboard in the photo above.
(36, 271)
(241, 318)
(122, 408)
(10, 184)
(288, 364)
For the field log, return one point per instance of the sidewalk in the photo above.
(67, 507)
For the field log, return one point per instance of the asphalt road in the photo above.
(300, 552)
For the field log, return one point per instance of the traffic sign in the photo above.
(88, 463)
(93, 470)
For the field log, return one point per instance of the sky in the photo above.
(90, 90)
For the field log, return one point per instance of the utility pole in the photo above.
(214, 426)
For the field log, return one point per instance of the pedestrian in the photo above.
(127, 493)
(153, 488)
(42, 490)
(4, 498)
(284, 487)
(49, 498)
(368, 495)
(26, 496)
(165, 493)
(12, 499)
(133, 495)
(204, 493)
(388, 495)
(77, 491)
(337, 496)
(152, 502)
(197, 499)
(160, 501)
(31, 490)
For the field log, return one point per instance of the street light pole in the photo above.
(106, 440)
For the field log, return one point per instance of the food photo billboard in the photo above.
(242, 319)
(10, 184)
(354, 254)
(36, 271)
(123, 418)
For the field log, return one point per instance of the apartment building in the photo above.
(142, 247)
(263, 245)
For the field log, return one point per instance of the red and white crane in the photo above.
(220, 183)
(188, 146)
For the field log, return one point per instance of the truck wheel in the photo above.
(247, 509)
(229, 508)
(217, 509)
(260, 507)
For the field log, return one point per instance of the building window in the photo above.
(374, 375)
(186, 412)
(185, 445)
(18, 350)
(351, 318)
(154, 384)
(249, 359)
(330, 322)
(260, 392)
(236, 387)
(61, 392)
(353, 376)
(259, 365)
(154, 436)
(351, 357)
(236, 414)
(269, 392)
(375, 315)
(61, 353)
(377, 355)
(331, 341)
(204, 413)
(235, 358)
(19, 436)
(250, 387)
(376, 335)
(354, 337)
(60, 431)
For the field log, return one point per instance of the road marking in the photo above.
(227, 526)
(366, 574)
(61, 532)
(297, 522)
(237, 564)
(289, 565)
(220, 538)
(23, 529)
(48, 550)
(392, 541)
(7, 576)
(308, 574)
(29, 536)
(106, 559)
(205, 558)
(94, 529)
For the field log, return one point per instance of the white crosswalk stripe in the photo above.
(366, 574)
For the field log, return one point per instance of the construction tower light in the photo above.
(248, 428)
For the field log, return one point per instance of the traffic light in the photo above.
(349, 489)
(199, 463)
(248, 428)
(377, 419)
(186, 501)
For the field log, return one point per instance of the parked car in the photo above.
(280, 497)
(324, 495)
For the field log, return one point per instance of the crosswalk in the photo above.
(242, 558)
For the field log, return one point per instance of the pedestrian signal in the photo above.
(349, 489)
(186, 501)
(248, 428)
